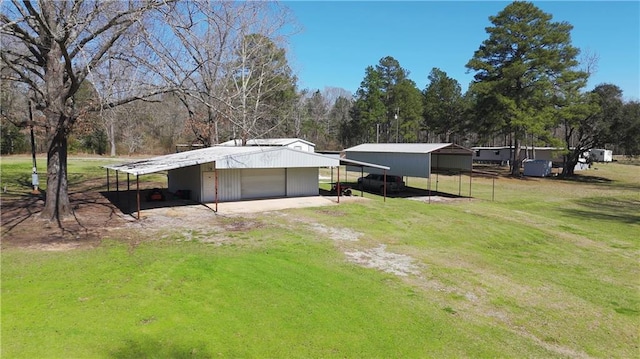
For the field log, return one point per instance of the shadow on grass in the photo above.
(584, 179)
(409, 192)
(596, 180)
(608, 209)
(149, 348)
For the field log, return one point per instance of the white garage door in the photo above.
(261, 183)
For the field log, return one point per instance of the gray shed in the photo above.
(413, 159)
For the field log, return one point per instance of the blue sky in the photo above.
(339, 39)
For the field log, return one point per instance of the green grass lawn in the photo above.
(548, 269)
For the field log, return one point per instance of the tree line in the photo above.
(143, 76)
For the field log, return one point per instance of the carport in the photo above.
(223, 173)
(416, 159)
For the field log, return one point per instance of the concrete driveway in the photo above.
(265, 205)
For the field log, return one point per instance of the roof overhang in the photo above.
(420, 148)
(228, 157)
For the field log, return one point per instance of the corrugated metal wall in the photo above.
(229, 188)
(302, 182)
(277, 159)
(453, 162)
(186, 178)
(263, 183)
(400, 164)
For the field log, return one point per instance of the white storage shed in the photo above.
(295, 143)
(601, 155)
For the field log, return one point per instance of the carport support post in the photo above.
(459, 183)
(138, 194)
(108, 187)
(117, 187)
(338, 184)
(361, 182)
(429, 186)
(385, 186)
(470, 177)
(215, 176)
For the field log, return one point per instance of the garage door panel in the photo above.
(260, 183)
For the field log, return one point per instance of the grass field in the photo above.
(549, 269)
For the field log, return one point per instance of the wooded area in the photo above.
(142, 76)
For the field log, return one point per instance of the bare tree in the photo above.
(51, 47)
(229, 60)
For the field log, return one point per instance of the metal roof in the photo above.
(408, 148)
(348, 162)
(266, 142)
(232, 157)
(179, 160)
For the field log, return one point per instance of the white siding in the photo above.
(302, 182)
(263, 183)
(301, 146)
(492, 154)
(208, 187)
(281, 157)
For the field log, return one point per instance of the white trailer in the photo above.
(601, 155)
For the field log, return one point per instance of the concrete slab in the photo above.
(265, 205)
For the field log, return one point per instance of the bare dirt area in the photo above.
(22, 225)
(97, 215)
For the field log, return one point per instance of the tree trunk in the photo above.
(57, 205)
(112, 137)
(570, 162)
(515, 160)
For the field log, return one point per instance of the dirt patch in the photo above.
(379, 258)
(438, 199)
(93, 217)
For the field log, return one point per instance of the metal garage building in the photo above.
(219, 174)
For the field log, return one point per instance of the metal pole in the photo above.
(361, 182)
(215, 174)
(385, 185)
(470, 176)
(459, 183)
(397, 126)
(338, 184)
(108, 187)
(34, 174)
(137, 194)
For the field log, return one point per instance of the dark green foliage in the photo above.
(517, 69)
(388, 105)
(443, 105)
(96, 142)
(629, 130)
(12, 140)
